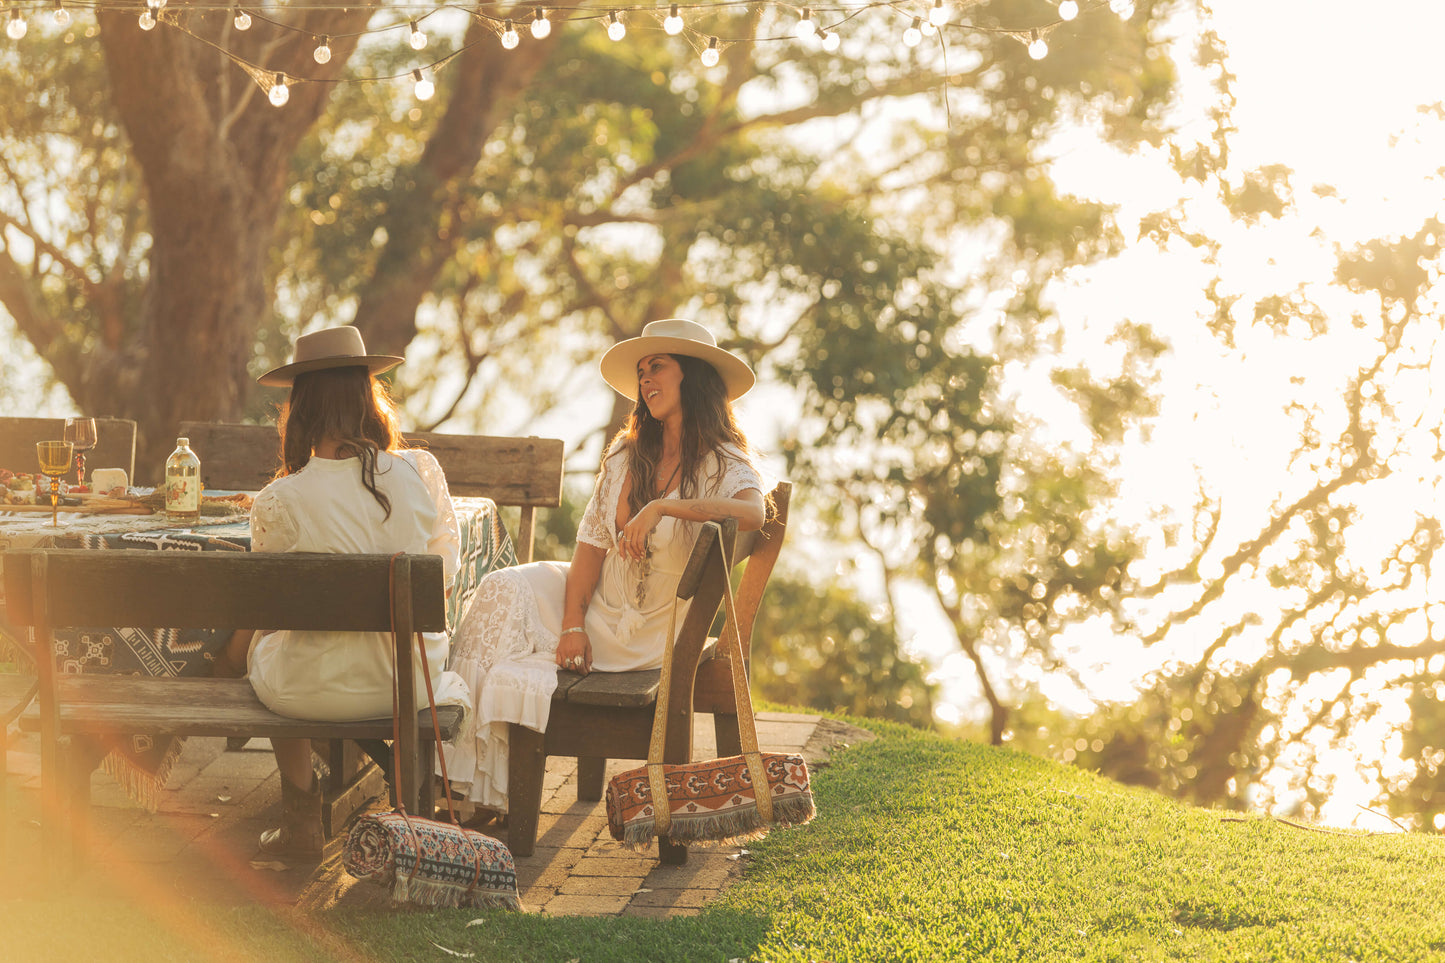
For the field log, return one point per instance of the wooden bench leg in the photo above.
(670, 853)
(725, 730)
(78, 765)
(590, 772)
(526, 765)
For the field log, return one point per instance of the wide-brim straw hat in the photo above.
(674, 336)
(339, 347)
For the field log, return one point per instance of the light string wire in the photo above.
(511, 15)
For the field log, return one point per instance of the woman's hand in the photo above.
(632, 540)
(574, 651)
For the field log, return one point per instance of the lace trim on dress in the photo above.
(273, 529)
(595, 529)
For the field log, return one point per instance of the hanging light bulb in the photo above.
(17, 26)
(1068, 9)
(148, 19)
(616, 29)
(1037, 48)
(806, 27)
(322, 53)
(62, 15)
(831, 41)
(418, 39)
(927, 29)
(673, 23)
(1124, 8)
(709, 56)
(158, 4)
(541, 26)
(937, 14)
(424, 88)
(913, 36)
(280, 93)
(242, 20)
(509, 36)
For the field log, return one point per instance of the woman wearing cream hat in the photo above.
(679, 461)
(347, 484)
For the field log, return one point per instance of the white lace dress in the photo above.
(345, 676)
(506, 642)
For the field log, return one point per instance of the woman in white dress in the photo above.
(680, 460)
(345, 486)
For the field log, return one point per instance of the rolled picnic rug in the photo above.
(711, 801)
(431, 863)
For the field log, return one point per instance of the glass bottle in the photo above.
(183, 483)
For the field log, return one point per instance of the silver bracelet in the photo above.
(575, 628)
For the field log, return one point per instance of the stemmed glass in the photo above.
(54, 461)
(80, 432)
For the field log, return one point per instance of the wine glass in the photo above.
(54, 461)
(80, 432)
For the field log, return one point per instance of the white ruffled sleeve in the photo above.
(738, 474)
(446, 536)
(273, 527)
(595, 528)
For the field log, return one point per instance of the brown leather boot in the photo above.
(299, 835)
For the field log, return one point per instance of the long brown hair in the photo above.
(707, 424)
(347, 404)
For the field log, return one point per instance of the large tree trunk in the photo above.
(215, 165)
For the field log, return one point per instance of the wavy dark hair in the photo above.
(707, 424)
(347, 404)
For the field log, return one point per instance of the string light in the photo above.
(279, 92)
(709, 56)
(242, 20)
(1037, 48)
(322, 53)
(938, 15)
(147, 20)
(913, 36)
(418, 39)
(424, 88)
(673, 23)
(509, 37)
(541, 26)
(616, 29)
(62, 15)
(1068, 9)
(806, 27)
(927, 29)
(831, 41)
(1124, 8)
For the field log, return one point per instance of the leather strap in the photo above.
(437, 732)
(731, 646)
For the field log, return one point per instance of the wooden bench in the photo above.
(608, 715)
(114, 445)
(515, 472)
(61, 588)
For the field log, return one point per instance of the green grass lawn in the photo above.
(923, 849)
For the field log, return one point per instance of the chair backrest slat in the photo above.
(510, 471)
(218, 590)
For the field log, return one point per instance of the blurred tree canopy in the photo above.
(875, 229)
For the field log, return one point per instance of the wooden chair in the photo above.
(114, 447)
(524, 472)
(61, 588)
(608, 715)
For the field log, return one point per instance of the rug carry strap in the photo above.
(732, 648)
(436, 729)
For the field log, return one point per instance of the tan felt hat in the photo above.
(673, 336)
(339, 347)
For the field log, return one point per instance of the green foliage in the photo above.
(823, 648)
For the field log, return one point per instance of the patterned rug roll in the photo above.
(431, 863)
(711, 801)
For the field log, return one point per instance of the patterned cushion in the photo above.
(431, 863)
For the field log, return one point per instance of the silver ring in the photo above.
(573, 662)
